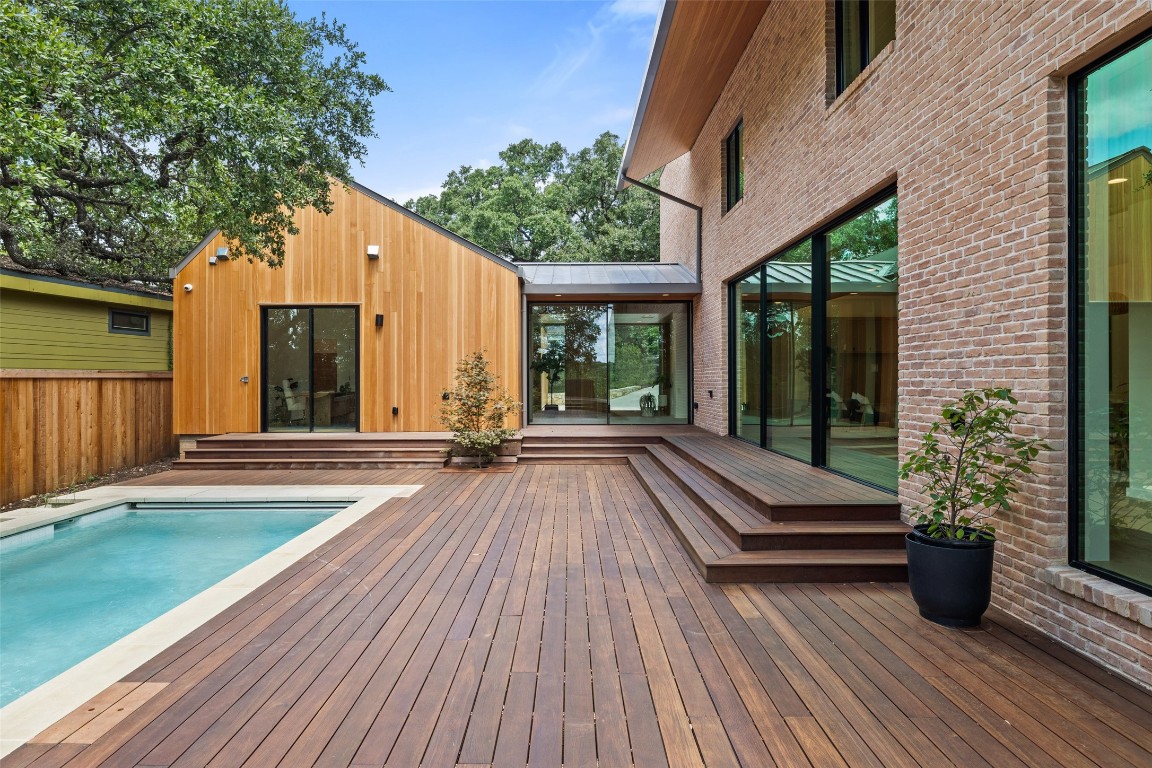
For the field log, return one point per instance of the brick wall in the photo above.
(966, 112)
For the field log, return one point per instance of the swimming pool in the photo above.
(71, 588)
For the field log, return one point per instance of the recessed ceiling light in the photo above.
(1117, 181)
(557, 295)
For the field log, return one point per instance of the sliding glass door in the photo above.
(622, 363)
(813, 334)
(311, 369)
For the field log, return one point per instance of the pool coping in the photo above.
(29, 715)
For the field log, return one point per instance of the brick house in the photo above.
(942, 196)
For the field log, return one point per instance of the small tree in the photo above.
(970, 460)
(477, 409)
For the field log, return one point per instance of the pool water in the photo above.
(69, 590)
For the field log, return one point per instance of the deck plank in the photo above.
(548, 616)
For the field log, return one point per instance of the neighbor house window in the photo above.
(734, 167)
(123, 321)
(863, 28)
(1112, 150)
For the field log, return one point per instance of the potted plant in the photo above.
(969, 460)
(550, 363)
(476, 410)
(648, 404)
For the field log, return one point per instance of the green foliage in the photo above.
(477, 410)
(550, 363)
(543, 204)
(970, 459)
(867, 236)
(133, 127)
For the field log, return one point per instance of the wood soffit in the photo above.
(688, 70)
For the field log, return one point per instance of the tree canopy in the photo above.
(132, 127)
(542, 203)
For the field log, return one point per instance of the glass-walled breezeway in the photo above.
(620, 363)
(1113, 227)
(836, 292)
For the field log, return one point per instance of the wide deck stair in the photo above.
(318, 451)
(587, 448)
(746, 515)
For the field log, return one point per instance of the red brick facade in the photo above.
(966, 112)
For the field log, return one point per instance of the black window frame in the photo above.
(113, 328)
(863, 38)
(821, 287)
(734, 166)
(1077, 285)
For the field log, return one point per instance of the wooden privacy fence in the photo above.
(62, 427)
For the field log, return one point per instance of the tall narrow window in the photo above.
(734, 167)
(1113, 171)
(863, 28)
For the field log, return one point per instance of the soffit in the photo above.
(696, 49)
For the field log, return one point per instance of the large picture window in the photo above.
(621, 363)
(833, 292)
(1112, 136)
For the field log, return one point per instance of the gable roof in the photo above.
(379, 198)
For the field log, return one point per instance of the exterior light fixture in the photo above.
(379, 321)
(221, 253)
(212, 260)
(1117, 181)
(557, 295)
(373, 252)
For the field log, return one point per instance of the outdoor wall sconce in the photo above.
(379, 321)
(243, 379)
(373, 252)
(709, 394)
(187, 287)
(395, 411)
(222, 253)
(445, 395)
(695, 406)
(212, 260)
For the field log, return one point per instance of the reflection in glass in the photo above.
(747, 374)
(788, 351)
(334, 368)
(862, 335)
(621, 363)
(1115, 262)
(288, 373)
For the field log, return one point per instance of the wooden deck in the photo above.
(547, 617)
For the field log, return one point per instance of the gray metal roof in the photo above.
(574, 279)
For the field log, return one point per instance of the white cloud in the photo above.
(411, 194)
(635, 9)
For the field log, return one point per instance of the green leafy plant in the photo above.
(971, 458)
(476, 410)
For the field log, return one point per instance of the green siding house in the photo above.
(54, 323)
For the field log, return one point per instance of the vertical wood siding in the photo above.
(440, 300)
(61, 428)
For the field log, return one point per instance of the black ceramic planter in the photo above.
(951, 581)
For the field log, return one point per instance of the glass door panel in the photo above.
(287, 341)
(568, 363)
(648, 366)
(788, 352)
(334, 368)
(749, 329)
(862, 338)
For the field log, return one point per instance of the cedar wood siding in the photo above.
(440, 299)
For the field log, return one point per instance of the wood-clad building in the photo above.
(360, 329)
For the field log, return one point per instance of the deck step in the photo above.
(308, 454)
(810, 566)
(586, 457)
(577, 449)
(331, 463)
(781, 510)
(819, 551)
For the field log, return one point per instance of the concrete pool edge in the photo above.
(32, 713)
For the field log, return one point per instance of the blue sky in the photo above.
(469, 77)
